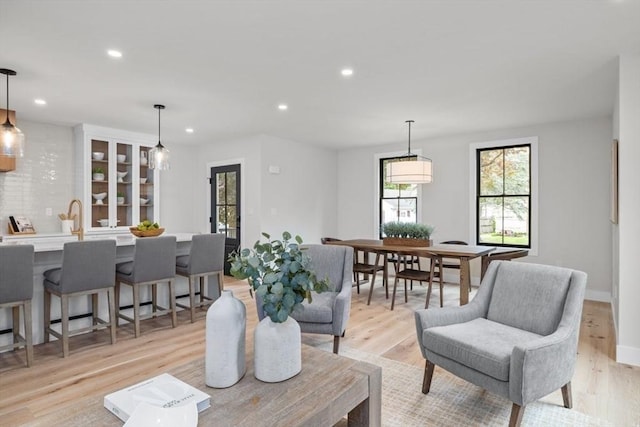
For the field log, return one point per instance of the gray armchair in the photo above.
(329, 311)
(518, 338)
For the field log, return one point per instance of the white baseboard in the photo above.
(628, 355)
(601, 296)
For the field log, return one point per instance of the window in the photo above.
(504, 195)
(398, 202)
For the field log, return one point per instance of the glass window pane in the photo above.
(490, 220)
(515, 227)
(220, 185)
(231, 188)
(231, 217)
(221, 218)
(389, 210)
(516, 169)
(491, 172)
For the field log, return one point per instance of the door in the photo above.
(225, 207)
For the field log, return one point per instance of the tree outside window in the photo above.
(504, 196)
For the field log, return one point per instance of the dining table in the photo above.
(464, 253)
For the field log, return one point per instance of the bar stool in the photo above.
(16, 290)
(154, 260)
(206, 258)
(87, 269)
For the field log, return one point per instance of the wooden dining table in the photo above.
(461, 252)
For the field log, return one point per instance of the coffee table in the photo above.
(328, 388)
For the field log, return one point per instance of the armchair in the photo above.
(518, 337)
(329, 311)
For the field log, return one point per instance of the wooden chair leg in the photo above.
(47, 314)
(516, 415)
(566, 395)
(28, 331)
(393, 293)
(64, 318)
(336, 344)
(428, 375)
(113, 319)
(172, 301)
(440, 280)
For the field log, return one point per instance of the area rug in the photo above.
(455, 402)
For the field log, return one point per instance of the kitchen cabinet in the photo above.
(113, 180)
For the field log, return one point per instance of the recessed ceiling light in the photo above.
(189, 130)
(40, 101)
(283, 107)
(114, 53)
(347, 72)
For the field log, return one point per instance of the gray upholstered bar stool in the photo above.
(16, 290)
(154, 261)
(87, 269)
(206, 258)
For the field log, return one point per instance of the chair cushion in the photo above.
(125, 268)
(319, 311)
(529, 296)
(53, 275)
(480, 344)
(182, 261)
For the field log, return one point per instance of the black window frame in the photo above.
(398, 198)
(503, 196)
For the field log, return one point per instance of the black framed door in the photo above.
(225, 207)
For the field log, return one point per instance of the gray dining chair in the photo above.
(329, 311)
(87, 269)
(206, 258)
(16, 290)
(154, 261)
(517, 338)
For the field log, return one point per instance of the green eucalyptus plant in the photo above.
(279, 272)
(410, 230)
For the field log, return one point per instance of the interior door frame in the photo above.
(208, 212)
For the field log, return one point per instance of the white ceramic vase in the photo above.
(277, 350)
(225, 341)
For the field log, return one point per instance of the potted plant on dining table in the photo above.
(407, 234)
(280, 274)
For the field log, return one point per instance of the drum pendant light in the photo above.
(12, 138)
(158, 155)
(410, 168)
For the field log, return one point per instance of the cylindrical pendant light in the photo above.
(410, 168)
(159, 155)
(12, 138)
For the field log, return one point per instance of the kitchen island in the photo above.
(48, 254)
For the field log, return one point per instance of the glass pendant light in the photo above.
(158, 155)
(410, 168)
(12, 138)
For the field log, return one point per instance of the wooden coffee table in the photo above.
(328, 388)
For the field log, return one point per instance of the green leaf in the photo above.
(254, 261)
(299, 240)
(270, 278)
(282, 315)
(286, 235)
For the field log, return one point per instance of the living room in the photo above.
(467, 74)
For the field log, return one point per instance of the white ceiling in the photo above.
(222, 67)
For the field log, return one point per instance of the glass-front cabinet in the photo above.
(116, 186)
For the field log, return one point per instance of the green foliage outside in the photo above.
(279, 272)
(508, 240)
(410, 230)
(505, 172)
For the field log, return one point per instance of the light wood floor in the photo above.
(601, 387)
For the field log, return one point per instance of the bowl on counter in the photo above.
(122, 158)
(97, 155)
(146, 233)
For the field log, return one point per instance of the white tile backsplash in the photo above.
(44, 177)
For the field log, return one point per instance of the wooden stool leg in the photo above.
(15, 326)
(136, 309)
(154, 297)
(47, 314)
(64, 318)
(172, 301)
(192, 297)
(113, 319)
(116, 299)
(28, 331)
(221, 281)
(94, 308)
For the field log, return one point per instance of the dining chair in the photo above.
(16, 290)
(154, 261)
(206, 258)
(406, 272)
(88, 268)
(451, 263)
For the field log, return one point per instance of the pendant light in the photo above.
(12, 139)
(158, 155)
(410, 168)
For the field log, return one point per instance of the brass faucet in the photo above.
(79, 231)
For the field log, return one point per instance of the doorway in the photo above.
(225, 207)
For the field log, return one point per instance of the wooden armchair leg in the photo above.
(336, 343)
(428, 375)
(516, 415)
(566, 395)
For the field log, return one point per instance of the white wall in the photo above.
(177, 195)
(628, 348)
(44, 177)
(573, 188)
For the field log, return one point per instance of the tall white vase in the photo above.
(277, 353)
(225, 341)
